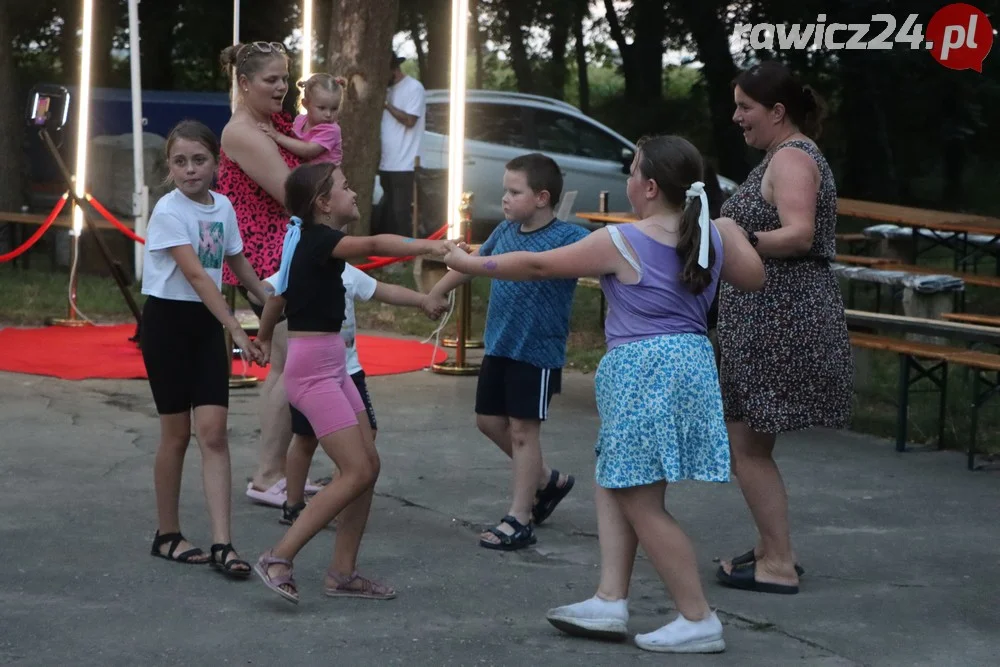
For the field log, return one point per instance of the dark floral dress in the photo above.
(786, 357)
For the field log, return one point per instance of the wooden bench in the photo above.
(863, 260)
(971, 318)
(918, 360)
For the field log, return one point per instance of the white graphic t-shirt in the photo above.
(211, 230)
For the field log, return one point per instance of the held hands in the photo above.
(249, 350)
(434, 306)
(456, 255)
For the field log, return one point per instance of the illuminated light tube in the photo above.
(83, 118)
(456, 121)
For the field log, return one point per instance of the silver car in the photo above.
(502, 125)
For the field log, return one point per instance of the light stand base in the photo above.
(67, 322)
(470, 344)
(452, 367)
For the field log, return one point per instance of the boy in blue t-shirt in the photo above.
(527, 324)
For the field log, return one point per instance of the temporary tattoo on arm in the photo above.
(490, 265)
(407, 239)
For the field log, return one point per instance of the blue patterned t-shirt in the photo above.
(529, 320)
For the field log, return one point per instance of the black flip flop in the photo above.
(744, 577)
(750, 557)
(547, 499)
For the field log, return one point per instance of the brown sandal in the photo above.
(369, 590)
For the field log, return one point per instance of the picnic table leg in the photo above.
(974, 421)
(600, 315)
(942, 403)
(902, 403)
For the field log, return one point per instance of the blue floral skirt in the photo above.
(661, 413)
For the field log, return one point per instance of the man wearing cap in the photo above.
(402, 130)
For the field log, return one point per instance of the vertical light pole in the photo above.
(236, 381)
(80, 178)
(459, 203)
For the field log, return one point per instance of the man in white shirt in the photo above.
(402, 130)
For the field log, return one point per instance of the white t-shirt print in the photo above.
(401, 144)
(210, 229)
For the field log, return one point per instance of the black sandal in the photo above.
(547, 499)
(744, 577)
(750, 557)
(228, 567)
(289, 513)
(523, 536)
(175, 539)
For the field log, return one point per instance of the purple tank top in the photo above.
(659, 304)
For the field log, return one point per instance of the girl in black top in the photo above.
(310, 291)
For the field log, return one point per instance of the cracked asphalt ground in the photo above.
(901, 551)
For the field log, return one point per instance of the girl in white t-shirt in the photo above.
(357, 285)
(191, 232)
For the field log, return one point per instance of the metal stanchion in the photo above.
(236, 381)
(466, 313)
(71, 320)
(464, 306)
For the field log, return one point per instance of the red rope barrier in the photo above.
(23, 248)
(106, 214)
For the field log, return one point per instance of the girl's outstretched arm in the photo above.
(594, 255)
(388, 245)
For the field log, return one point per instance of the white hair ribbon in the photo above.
(697, 189)
(292, 235)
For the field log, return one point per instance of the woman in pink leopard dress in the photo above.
(252, 174)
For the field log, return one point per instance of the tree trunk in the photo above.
(155, 19)
(418, 43)
(710, 35)
(10, 138)
(650, 33)
(642, 60)
(582, 10)
(106, 19)
(69, 43)
(870, 172)
(559, 25)
(477, 43)
(360, 41)
(438, 22)
(518, 51)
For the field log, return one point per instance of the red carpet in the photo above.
(104, 352)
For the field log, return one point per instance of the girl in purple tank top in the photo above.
(657, 387)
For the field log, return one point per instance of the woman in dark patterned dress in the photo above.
(786, 357)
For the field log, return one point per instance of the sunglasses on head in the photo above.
(260, 47)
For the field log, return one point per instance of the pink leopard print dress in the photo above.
(261, 218)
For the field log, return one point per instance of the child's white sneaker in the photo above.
(596, 618)
(684, 636)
